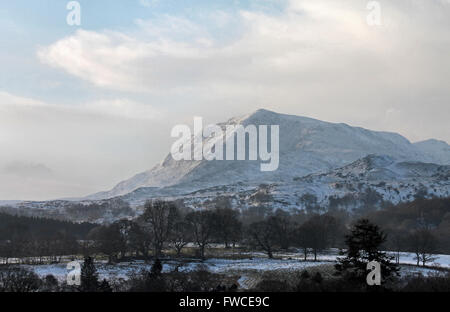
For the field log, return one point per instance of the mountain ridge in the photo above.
(376, 178)
(307, 145)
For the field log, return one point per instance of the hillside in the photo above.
(306, 146)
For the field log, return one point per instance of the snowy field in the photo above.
(256, 262)
(405, 257)
(122, 270)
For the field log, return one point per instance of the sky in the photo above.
(83, 107)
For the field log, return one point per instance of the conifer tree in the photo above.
(364, 246)
(89, 276)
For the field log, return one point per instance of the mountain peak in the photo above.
(258, 116)
(263, 111)
(264, 116)
(306, 146)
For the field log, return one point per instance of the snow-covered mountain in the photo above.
(437, 151)
(306, 146)
(322, 165)
(369, 181)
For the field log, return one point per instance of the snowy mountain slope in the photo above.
(369, 181)
(437, 151)
(393, 181)
(322, 165)
(306, 146)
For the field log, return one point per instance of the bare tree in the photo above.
(160, 215)
(180, 236)
(123, 227)
(140, 239)
(263, 234)
(397, 242)
(283, 228)
(109, 240)
(317, 234)
(424, 244)
(202, 225)
(301, 240)
(228, 225)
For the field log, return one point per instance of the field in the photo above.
(245, 268)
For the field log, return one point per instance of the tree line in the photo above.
(22, 236)
(164, 226)
(421, 227)
(363, 244)
(167, 228)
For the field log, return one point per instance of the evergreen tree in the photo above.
(105, 287)
(363, 246)
(156, 268)
(89, 276)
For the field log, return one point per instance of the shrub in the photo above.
(14, 279)
(433, 283)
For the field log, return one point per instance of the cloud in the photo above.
(317, 58)
(99, 58)
(55, 150)
(9, 100)
(148, 3)
(116, 107)
(123, 108)
(27, 169)
(311, 42)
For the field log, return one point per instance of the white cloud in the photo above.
(312, 43)
(8, 100)
(95, 57)
(89, 147)
(119, 108)
(22, 169)
(123, 108)
(148, 3)
(177, 52)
